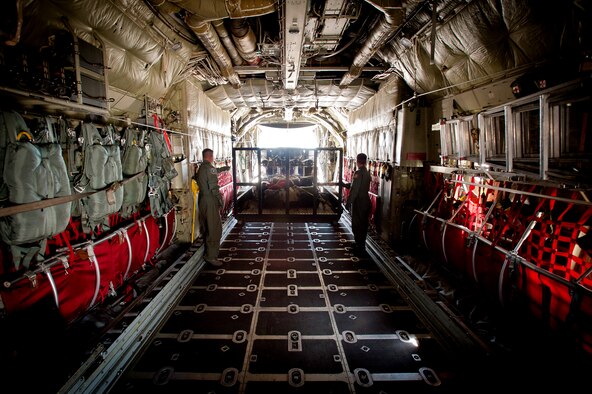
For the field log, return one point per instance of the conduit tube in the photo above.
(382, 32)
(237, 60)
(208, 36)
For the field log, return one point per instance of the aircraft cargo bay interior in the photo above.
(299, 196)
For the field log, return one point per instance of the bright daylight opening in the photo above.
(275, 137)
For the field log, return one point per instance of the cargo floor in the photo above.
(292, 309)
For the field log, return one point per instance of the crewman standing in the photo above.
(210, 202)
(359, 203)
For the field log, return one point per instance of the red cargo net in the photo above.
(226, 190)
(553, 241)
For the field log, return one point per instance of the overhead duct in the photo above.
(199, 14)
(165, 6)
(393, 15)
(219, 9)
(245, 40)
(208, 36)
(227, 42)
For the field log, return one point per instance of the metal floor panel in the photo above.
(291, 310)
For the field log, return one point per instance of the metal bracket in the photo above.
(65, 263)
(294, 341)
(512, 261)
(32, 276)
(470, 240)
(112, 291)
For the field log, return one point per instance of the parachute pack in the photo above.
(161, 170)
(33, 169)
(101, 171)
(42, 158)
(134, 161)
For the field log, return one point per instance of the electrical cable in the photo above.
(188, 38)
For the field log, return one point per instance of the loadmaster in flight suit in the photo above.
(210, 202)
(359, 203)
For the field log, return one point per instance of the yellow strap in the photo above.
(24, 133)
(195, 190)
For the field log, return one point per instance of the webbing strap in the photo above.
(66, 238)
(29, 253)
(45, 269)
(463, 204)
(94, 261)
(582, 269)
(553, 243)
(511, 216)
(157, 125)
(174, 227)
(147, 241)
(166, 232)
(74, 229)
(50, 202)
(129, 250)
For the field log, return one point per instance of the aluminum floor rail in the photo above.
(130, 343)
(455, 338)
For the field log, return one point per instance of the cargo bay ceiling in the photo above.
(308, 60)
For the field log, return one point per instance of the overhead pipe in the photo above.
(16, 37)
(245, 40)
(218, 9)
(208, 36)
(165, 6)
(237, 60)
(393, 15)
(198, 16)
(433, 32)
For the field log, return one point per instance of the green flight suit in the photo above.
(210, 203)
(360, 205)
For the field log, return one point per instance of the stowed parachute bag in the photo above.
(71, 147)
(8, 121)
(134, 194)
(102, 169)
(134, 161)
(73, 155)
(34, 170)
(161, 170)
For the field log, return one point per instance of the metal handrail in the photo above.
(524, 193)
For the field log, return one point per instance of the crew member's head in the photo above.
(361, 159)
(208, 155)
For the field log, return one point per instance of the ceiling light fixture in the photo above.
(406, 42)
(288, 114)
